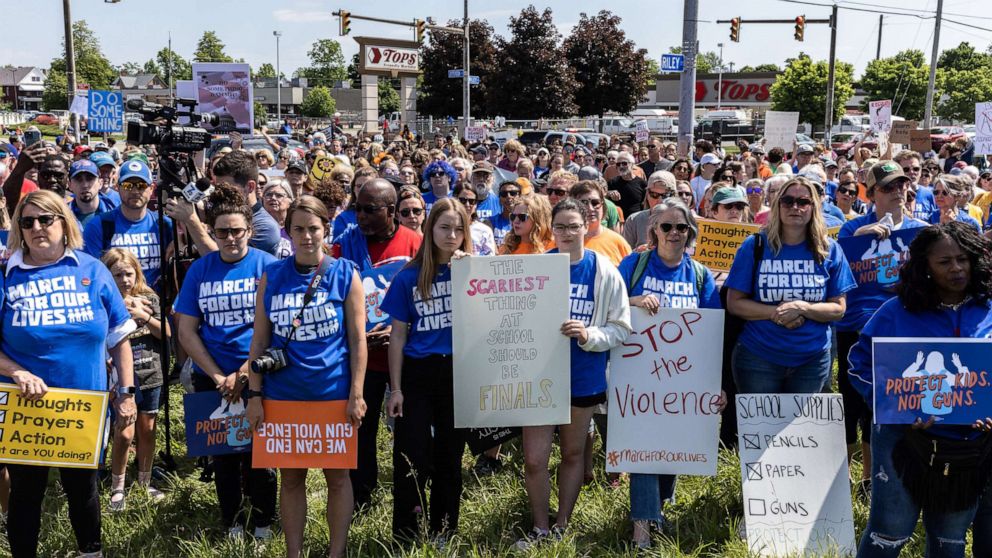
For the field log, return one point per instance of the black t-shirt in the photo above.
(631, 193)
(145, 348)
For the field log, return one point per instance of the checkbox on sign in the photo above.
(1, 434)
(753, 471)
(756, 507)
(3, 397)
(752, 441)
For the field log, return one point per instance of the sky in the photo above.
(134, 30)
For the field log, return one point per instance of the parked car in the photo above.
(851, 123)
(846, 149)
(969, 130)
(46, 119)
(839, 139)
(945, 134)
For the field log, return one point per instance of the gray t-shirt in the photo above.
(635, 229)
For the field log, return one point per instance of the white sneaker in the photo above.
(262, 533)
(154, 493)
(236, 532)
(97, 554)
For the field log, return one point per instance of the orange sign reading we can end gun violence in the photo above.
(305, 435)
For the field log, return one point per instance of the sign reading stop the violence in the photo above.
(305, 435)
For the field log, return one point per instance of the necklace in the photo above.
(955, 307)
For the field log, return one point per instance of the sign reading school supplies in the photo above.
(106, 112)
(305, 435)
(875, 263)
(983, 128)
(922, 377)
(225, 90)
(780, 130)
(63, 429)
(666, 378)
(215, 426)
(880, 115)
(511, 362)
(797, 496)
(718, 242)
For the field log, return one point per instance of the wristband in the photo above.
(250, 393)
(129, 390)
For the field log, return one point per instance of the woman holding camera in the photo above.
(215, 309)
(301, 351)
(44, 348)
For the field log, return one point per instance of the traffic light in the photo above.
(421, 26)
(735, 30)
(344, 19)
(800, 28)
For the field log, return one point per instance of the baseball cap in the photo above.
(135, 169)
(709, 159)
(100, 146)
(884, 173)
(757, 149)
(102, 158)
(138, 156)
(80, 149)
(804, 148)
(728, 195)
(483, 166)
(81, 166)
(480, 150)
(297, 165)
(827, 163)
(588, 173)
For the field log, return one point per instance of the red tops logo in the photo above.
(734, 90)
(392, 57)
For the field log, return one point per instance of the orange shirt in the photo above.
(525, 248)
(609, 244)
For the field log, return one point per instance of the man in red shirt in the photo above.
(380, 247)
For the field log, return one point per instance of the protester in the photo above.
(326, 366)
(276, 197)
(846, 195)
(531, 232)
(728, 204)
(48, 250)
(625, 189)
(441, 177)
(86, 203)
(483, 241)
(420, 370)
(707, 170)
(411, 209)
(785, 344)
(939, 470)
(591, 195)
(947, 190)
(754, 189)
(500, 223)
(592, 334)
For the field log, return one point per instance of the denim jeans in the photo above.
(981, 532)
(648, 493)
(754, 374)
(894, 513)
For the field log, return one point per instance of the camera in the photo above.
(169, 136)
(271, 360)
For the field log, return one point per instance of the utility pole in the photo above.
(928, 114)
(878, 49)
(719, 79)
(829, 117)
(466, 81)
(70, 63)
(279, 82)
(687, 81)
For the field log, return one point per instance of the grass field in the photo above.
(494, 514)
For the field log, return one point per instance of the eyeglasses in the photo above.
(407, 211)
(436, 174)
(369, 209)
(752, 191)
(792, 201)
(893, 186)
(659, 195)
(45, 220)
(847, 191)
(522, 217)
(937, 192)
(680, 228)
(468, 201)
(274, 195)
(570, 229)
(593, 203)
(53, 174)
(912, 169)
(237, 233)
(134, 185)
(509, 193)
(739, 206)
(556, 191)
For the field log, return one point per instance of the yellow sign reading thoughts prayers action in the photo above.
(63, 429)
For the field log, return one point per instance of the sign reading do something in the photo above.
(106, 112)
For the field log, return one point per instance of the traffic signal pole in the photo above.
(687, 80)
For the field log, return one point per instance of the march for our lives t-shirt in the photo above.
(318, 367)
(934, 219)
(792, 274)
(56, 320)
(675, 287)
(222, 296)
(501, 227)
(925, 204)
(588, 368)
(429, 320)
(139, 237)
(488, 207)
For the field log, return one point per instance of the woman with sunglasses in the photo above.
(683, 190)
(531, 232)
(542, 161)
(846, 195)
(661, 186)
(41, 349)
(672, 230)
(214, 318)
(790, 300)
(483, 241)
(754, 189)
(948, 191)
(410, 209)
(682, 169)
(439, 177)
(728, 205)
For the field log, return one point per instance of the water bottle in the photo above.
(887, 221)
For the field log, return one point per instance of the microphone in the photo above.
(138, 105)
(198, 191)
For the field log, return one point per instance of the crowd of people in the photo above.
(263, 288)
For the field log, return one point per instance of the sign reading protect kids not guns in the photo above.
(63, 429)
(922, 377)
(666, 378)
(305, 435)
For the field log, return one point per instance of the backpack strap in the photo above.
(639, 269)
(701, 272)
(759, 253)
(108, 226)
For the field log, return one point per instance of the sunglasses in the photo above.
(468, 201)
(236, 233)
(438, 174)
(658, 195)
(407, 211)
(369, 209)
(134, 186)
(44, 220)
(556, 191)
(739, 206)
(985, 176)
(687, 195)
(591, 203)
(847, 191)
(751, 191)
(509, 193)
(679, 227)
(893, 186)
(914, 169)
(623, 164)
(727, 177)
(53, 174)
(792, 201)
(522, 217)
(937, 192)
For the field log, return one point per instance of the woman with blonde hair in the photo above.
(514, 151)
(530, 217)
(790, 300)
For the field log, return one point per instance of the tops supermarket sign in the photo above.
(388, 57)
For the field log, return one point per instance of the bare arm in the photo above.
(397, 340)
(189, 337)
(354, 315)
(185, 213)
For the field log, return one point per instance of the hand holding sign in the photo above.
(32, 387)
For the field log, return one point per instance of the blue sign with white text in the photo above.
(672, 62)
(456, 73)
(106, 112)
(214, 426)
(944, 378)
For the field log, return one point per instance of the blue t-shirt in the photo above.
(501, 227)
(140, 237)
(832, 211)
(85, 218)
(792, 274)
(265, 230)
(342, 221)
(429, 320)
(56, 320)
(675, 287)
(430, 199)
(318, 366)
(111, 198)
(925, 204)
(588, 368)
(222, 296)
(963, 216)
(488, 207)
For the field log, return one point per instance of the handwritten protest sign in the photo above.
(875, 263)
(322, 166)
(797, 498)
(225, 90)
(511, 362)
(375, 282)
(305, 435)
(983, 128)
(482, 439)
(666, 378)
(920, 141)
(901, 131)
(718, 242)
(641, 131)
(780, 130)
(215, 426)
(64, 429)
(106, 112)
(923, 377)
(880, 115)
(475, 133)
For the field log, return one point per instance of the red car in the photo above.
(945, 134)
(846, 148)
(46, 119)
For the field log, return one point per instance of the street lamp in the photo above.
(719, 80)
(278, 80)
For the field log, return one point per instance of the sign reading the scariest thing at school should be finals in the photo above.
(922, 377)
(63, 429)
(666, 378)
(511, 362)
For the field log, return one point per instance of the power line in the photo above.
(875, 9)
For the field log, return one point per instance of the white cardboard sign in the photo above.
(780, 129)
(880, 115)
(983, 128)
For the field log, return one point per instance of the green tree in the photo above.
(92, 67)
(266, 71)
(210, 49)
(318, 103)
(962, 88)
(706, 62)
(180, 68)
(261, 114)
(902, 78)
(326, 63)
(389, 99)
(442, 96)
(355, 77)
(611, 72)
(802, 88)
(533, 79)
(151, 67)
(55, 95)
(760, 68)
(130, 69)
(963, 57)
(651, 74)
